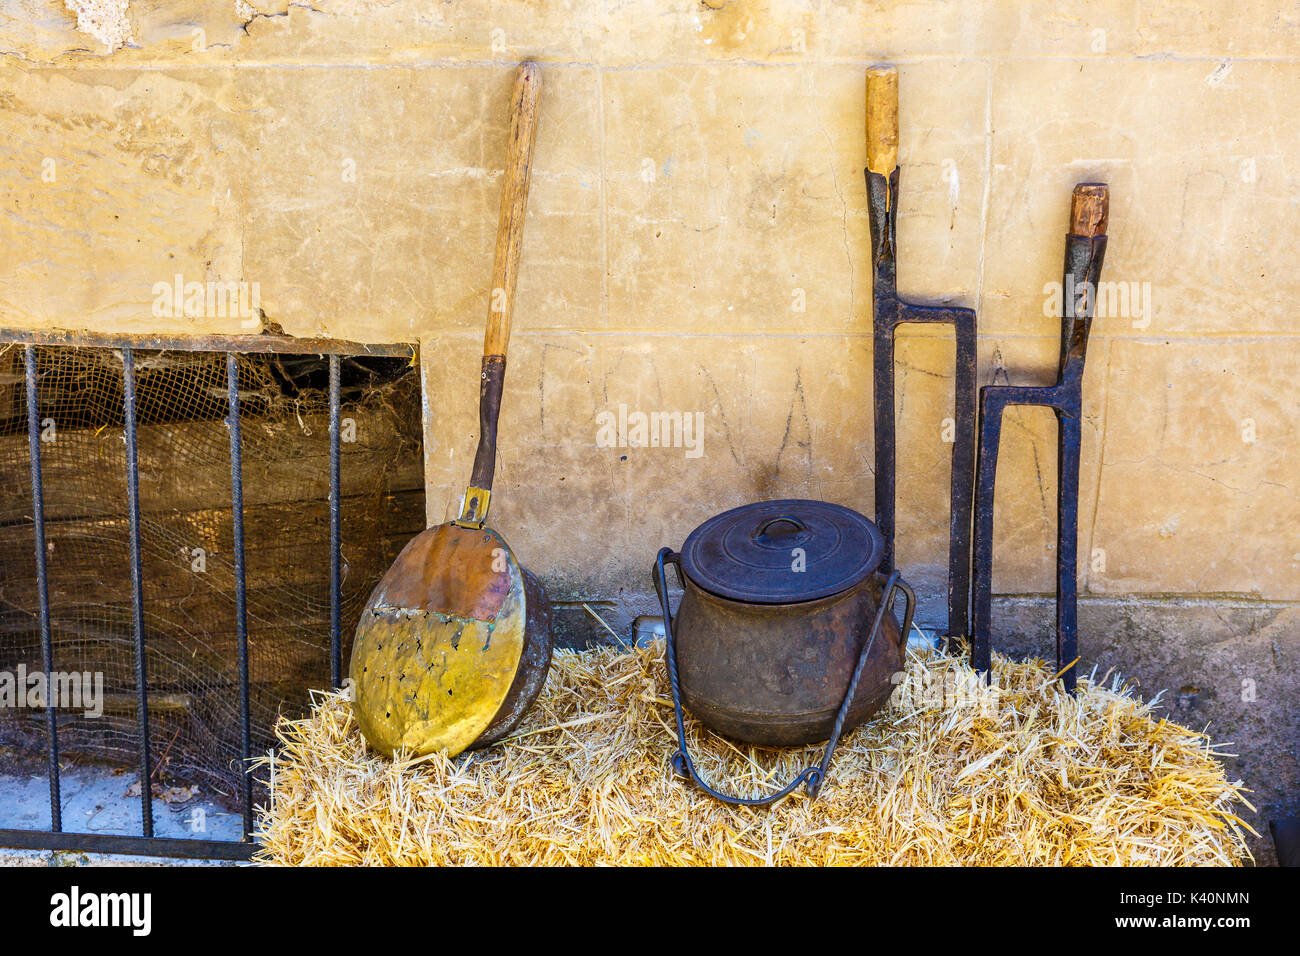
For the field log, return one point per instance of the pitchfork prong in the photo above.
(1085, 249)
(889, 313)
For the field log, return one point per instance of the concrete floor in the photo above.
(95, 800)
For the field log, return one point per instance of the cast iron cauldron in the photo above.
(782, 636)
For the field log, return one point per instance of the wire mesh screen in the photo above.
(186, 540)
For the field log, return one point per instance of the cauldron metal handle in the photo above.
(812, 777)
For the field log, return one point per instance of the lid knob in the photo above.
(762, 536)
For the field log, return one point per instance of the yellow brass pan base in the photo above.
(439, 647)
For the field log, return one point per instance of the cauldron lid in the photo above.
(782, 552)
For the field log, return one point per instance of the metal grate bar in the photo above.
(241, 593)
(240, 344)
(137, 589)
(336, 533)
(42, 585)
(140, 846)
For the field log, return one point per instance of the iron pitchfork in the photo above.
(889, 313)
(1085, 248)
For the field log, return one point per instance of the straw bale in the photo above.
(950, 772)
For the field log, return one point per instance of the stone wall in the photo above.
(697, 243)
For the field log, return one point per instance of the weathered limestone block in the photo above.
(416, 30)
(1251, 28)
(378, 222)
(113, 186)
(1198, 491)
(1203, 193)
(736, 197)
(122, 32)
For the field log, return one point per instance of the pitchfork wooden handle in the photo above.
(882, 120)
(514, 203)
(1089, 210)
